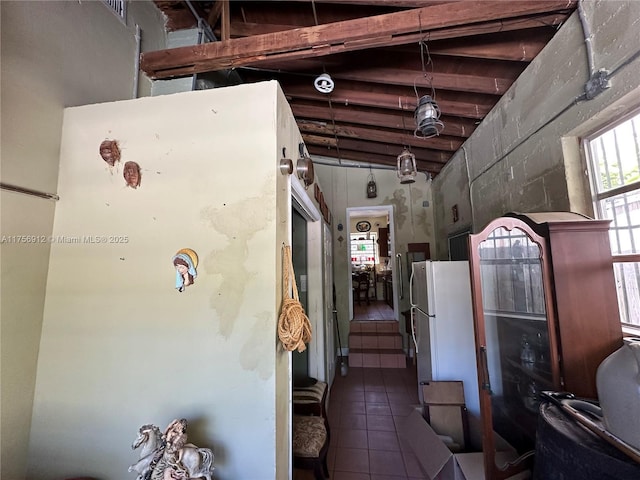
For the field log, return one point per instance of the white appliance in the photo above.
(442, 326)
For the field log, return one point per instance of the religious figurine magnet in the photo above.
(186, 262)
(110, 152)
(131, 174)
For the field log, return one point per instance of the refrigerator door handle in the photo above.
(414, 306)
(413, 327)
(411, 304)
(399, 265)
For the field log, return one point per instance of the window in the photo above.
(119, 7)
(614, 161)
(363, 249)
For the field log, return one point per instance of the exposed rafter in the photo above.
(382, 56)
(389, 29)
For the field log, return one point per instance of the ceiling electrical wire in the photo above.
(324, 69)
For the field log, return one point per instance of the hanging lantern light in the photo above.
(372, 188)
(427, 117)
(407, 170)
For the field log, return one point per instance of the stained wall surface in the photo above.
(121, 347)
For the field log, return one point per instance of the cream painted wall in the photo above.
(120, 346)
(346, 187)
(54, 54)
(541, 167)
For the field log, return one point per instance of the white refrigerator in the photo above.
(442, 326)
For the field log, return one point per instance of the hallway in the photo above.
(376, 310)
(365, 408)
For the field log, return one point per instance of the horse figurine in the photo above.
(158, 462)
(150, 439)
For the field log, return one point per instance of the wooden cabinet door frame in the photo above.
(492, 470)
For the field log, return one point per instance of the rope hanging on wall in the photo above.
(294, 328)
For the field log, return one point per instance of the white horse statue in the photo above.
(150, 439)
(158, 460)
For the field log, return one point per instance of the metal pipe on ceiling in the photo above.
(207, 28)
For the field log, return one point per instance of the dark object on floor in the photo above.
(344, 369)
(565, 450)
(310, 444)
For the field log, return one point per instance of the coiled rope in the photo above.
(294, 328)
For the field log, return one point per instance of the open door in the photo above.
(371, 247)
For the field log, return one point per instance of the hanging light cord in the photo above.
(333, 118)
(423, 47)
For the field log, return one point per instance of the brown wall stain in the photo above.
(399, 201)
(239, 222)
(256, 348)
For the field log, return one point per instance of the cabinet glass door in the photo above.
(511, 314)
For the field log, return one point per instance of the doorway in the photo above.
(371, 263)
(300, 360)
(310, 264)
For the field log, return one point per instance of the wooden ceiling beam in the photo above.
(392, 150)
(453, 128)
(371, 158)
(449, 81)
(225, 21)
(246, 29)
(516, 50)
(348, 35)
(437, 144)
(383, 3)
(503, 47)
(368, 135)
(383, 100)
(215, 13)
(462, 82)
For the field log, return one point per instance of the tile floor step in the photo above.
(382, 326)
(375, 358)
(375, 340)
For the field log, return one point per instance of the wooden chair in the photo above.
(310, 444)
(310, 400)
(311, 429)
(363, 288)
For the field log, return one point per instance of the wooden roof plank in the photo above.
(453, 129)
(371, 158)
(221, 55)
(407, 138)
(302, 60)
(387, 101)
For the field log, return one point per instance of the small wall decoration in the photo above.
(110, 152)
(132, 174)
(168, 455)
(363, 226)
(186, 262)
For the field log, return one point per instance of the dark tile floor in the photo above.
(375, 310)
(365, 409)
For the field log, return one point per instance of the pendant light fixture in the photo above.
(427, 117)
(427, 112)
(372, 188)
(407, 170)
